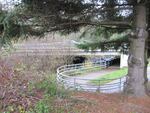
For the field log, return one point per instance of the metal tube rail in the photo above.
(72, 82)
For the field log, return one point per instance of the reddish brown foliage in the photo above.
(112, 103)
(6, 70)
(15, 92)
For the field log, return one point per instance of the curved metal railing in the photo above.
(67, 75)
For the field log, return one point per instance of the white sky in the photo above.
(5, 1)
(8, 4)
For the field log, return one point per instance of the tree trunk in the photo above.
(136, 83)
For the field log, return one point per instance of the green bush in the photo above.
(51, 92)
(48, 85)
(40, 107)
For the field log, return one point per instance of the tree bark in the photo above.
(136, 83)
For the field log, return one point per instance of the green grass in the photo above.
(48, 86)
(109, 77)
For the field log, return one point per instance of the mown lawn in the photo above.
(109, 77)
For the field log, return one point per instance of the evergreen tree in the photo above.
(70, 15)
(13, 27)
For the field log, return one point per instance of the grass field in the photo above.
(109, 77)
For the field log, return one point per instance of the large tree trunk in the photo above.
(136, 83)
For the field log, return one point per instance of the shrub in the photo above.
(48, 85)
(6, 69)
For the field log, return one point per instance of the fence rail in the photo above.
(64, 76)
(31, 50)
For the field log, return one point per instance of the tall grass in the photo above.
(48, 85)
(32, 87)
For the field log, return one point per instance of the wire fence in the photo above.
(67, 75)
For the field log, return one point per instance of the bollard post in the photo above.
(105, 64)
(99, 86)
(74, 67)
(120, 84)
(75, 83)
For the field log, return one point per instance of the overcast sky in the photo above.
(5, 1)
(8, 4)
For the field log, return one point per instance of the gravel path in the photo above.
(82, 82)
(85, 78)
